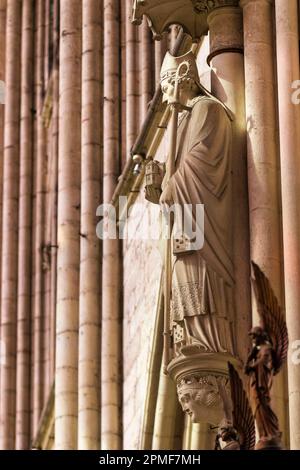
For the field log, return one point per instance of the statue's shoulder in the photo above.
(208, 104)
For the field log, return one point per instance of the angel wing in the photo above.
(271, 316)
(227, 405)
(243, 420)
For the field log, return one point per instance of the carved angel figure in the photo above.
(269, 351)
(237, 429)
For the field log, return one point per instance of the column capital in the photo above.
(226, 29)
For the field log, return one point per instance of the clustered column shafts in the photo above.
(287, 38)
(111, 344)
(90, 263)
(10, 225)
(263, 158)
(25, 227)
(68, 256)
(38, 221)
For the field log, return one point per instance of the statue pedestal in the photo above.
(197, 376)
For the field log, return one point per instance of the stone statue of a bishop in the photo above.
(202, 279)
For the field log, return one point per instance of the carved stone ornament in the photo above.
(269, 352)
(205, 6)
(200, 398)
(197, 378)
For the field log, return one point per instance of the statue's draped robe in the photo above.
(202, 280)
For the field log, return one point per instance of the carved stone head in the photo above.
(200, 398)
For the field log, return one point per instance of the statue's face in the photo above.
(204, 405)
(189, 406)
(186, 88)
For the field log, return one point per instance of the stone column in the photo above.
(228, 84)
(132, 80)
(25, 229)
(9, 275)
(38, 223)
(262, 143)
(2, 78)
(289, 122)
(111, 337)
(202, 437)
(90, 261)
(165, 414)
(68, 230)
(54, 142)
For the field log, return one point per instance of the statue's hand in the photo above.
(166, 197)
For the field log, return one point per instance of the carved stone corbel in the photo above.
(200, 398)
(196, 17)
(197, 378)
(162, 13)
